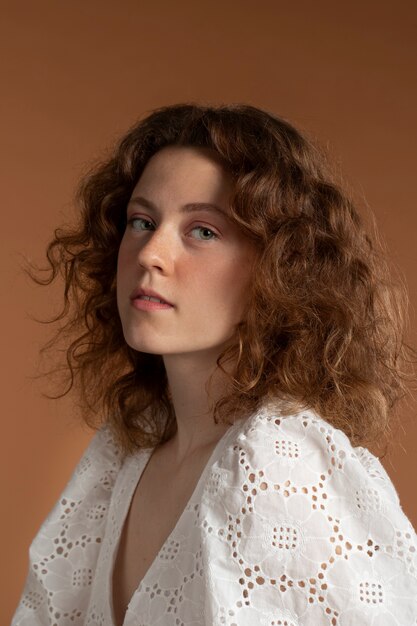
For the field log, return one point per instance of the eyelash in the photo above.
(142, 219)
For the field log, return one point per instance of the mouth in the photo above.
(144, 303)
(149, 295)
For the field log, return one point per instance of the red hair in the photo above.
(324, 326)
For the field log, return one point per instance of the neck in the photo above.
(188, 375)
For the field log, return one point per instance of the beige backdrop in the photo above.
(76, 74)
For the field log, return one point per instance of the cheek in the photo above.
(226, 284)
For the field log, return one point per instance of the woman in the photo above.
(238, 340)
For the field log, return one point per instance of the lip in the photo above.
(148, 292)
(148, 305)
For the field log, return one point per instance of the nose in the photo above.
(156, 251)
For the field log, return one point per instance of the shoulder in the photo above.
(83, 502)
(95, 473)
(307, 450)
(305, 457)
(68, 541)
(313, 525)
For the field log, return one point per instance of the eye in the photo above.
(207, 230)
(141, 224)
(141, 220)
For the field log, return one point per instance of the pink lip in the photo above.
(148, 292)
(148, 305)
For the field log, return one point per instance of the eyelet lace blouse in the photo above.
(288, 525)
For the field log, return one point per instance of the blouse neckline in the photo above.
(126, 483)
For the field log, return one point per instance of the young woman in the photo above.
(237, 342)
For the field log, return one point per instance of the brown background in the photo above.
(75, 75)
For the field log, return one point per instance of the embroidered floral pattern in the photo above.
(288, 526)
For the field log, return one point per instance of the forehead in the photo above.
(189, 173)
(179, 163)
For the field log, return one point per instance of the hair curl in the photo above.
(324, 326)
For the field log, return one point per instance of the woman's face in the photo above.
(194, 257)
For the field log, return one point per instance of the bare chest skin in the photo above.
(160, 497)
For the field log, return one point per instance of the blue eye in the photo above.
(142, 222)
(208, 230)
(138, 219)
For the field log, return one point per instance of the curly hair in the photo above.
(325, 323)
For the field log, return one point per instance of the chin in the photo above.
(143, 346)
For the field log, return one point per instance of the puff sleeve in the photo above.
(63, 554)
(303, 529)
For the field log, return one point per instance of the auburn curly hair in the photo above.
(325, 323)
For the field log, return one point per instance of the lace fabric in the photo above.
(289, 525)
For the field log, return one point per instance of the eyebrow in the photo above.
(186, 208)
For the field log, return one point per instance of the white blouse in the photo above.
(288, 525)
